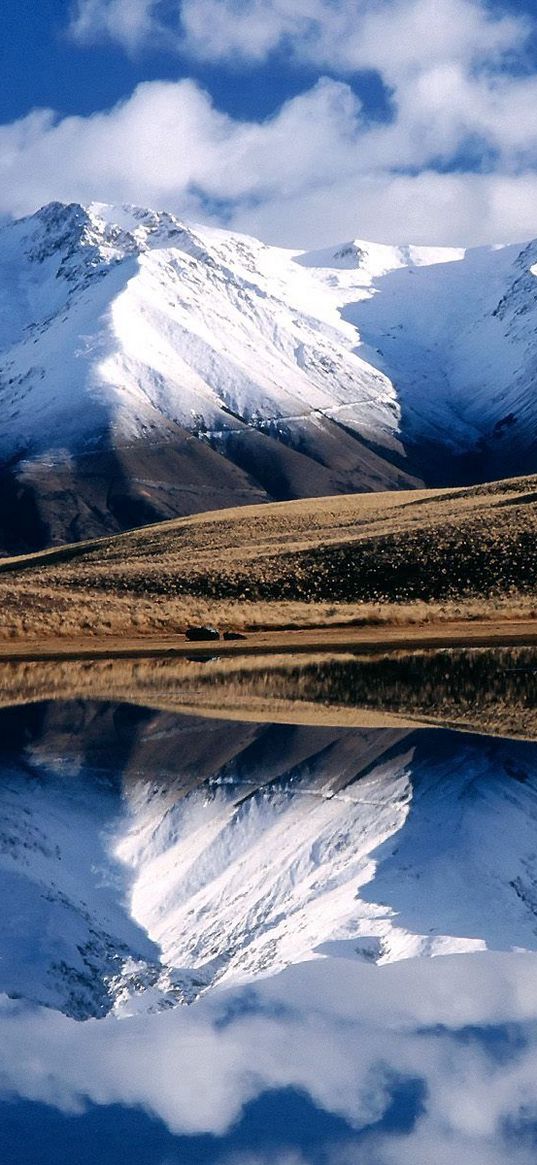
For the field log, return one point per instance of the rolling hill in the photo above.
(355, 557)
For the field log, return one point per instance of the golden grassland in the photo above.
(399, 558)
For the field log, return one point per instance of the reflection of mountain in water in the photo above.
(147, 856)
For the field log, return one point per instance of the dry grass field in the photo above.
(406, 557)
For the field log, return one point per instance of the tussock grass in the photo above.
(411, 557)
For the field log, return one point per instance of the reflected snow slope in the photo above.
(149, 857)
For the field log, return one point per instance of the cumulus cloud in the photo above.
(389, 35)
(456, 163)
(316, 172)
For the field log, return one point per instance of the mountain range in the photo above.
(150, 369)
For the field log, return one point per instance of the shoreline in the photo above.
(366, 639)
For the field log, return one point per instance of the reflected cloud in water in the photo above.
(419, 1061)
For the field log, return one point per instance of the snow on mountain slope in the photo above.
(132, 891)
(459, 365)
(149, 369)
(152, 343)
(63, 930)
(454, 331)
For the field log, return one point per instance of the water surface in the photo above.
(241, 942)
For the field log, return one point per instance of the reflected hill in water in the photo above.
(148, 856)
(490, 690)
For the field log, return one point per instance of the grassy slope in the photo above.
(404, 555)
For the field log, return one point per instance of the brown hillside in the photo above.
(322, 559)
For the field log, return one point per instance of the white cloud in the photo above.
(393, 36)
(317, 172)
(428, 208)
(127, 21)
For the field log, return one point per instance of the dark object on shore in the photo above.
(233, 635)
(198, 633)
(197, 657)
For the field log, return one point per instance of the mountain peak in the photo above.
(60, 231)
(374, 259)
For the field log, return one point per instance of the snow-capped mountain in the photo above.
(149, 369)
(131, 887)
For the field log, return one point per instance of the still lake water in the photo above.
(240, 942)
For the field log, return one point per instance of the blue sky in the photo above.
(50, 68)
(304, 121)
